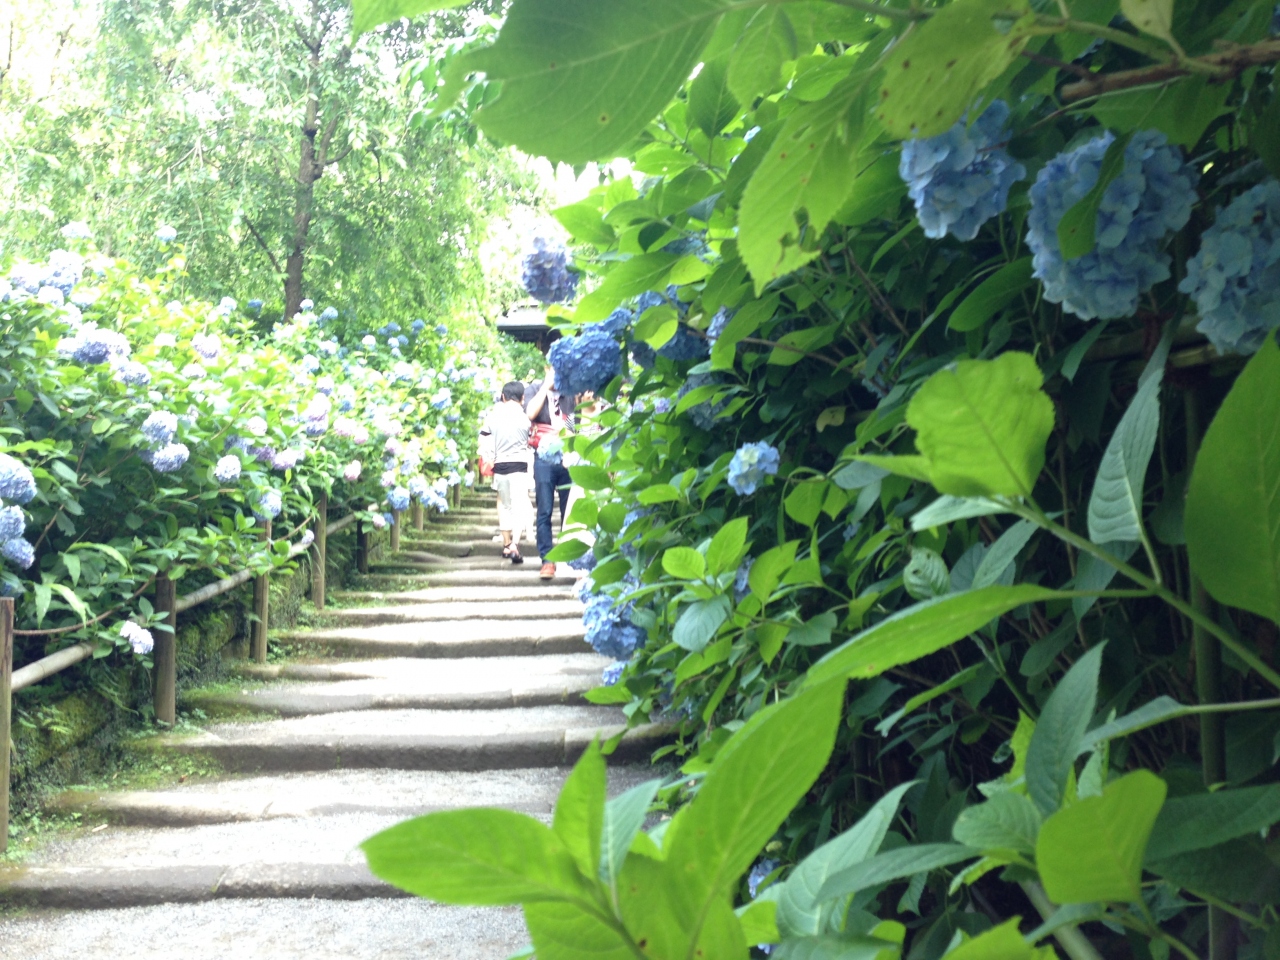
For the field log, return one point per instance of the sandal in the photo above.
(514, 556)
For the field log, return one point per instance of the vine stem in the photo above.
(1036, 516)
(1074, 943)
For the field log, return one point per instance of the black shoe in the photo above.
(516, 558)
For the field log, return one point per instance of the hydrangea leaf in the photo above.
(580, 79)
(981, 427)
(579, 811)
(712, 106)
(1115, 507)
(560, 931)
(764, 45)
(1233, 500)
(1150, 16)
(811, 166)
(627, 279)
(938, 70)
(1093, 849)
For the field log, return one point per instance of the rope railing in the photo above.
(164, 654)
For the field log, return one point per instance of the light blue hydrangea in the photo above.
(661, 405)
(13, 523)
(613, 673)
(615, 324)
(960, 179)
(309, 363)
(285, 459)
(759, 872)
(398, 497)
(133, 374)
(328, 313)
(169, 458)
(227, 469)
(1233, 278)
(418, 326)
(206, 345)
(269, 505)
(226, 306)
(18, 552)
(369, 340)
(751, 463)
(306, 306)
(742, 580)
(254, 306)
(719, 321)
(585, 363)
(166, 234)
(545, 272)
(91, 345)
(160, 427)
(609, 629)
(441, 329)
(16, 481)
(1150, 199)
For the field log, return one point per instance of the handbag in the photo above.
(540, 432)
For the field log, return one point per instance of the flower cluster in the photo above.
(960, 179)
(609, 628)
(585, 363)
(1232, 278)
(227, 469)
(90, 345)
(545, 272)
(139, 638)
(702, 414)
(751, 463)
(269, 505)
(1149, 199)
(16, 481)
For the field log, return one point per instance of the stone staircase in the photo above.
(447, 679)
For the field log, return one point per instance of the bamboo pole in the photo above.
(395, 531)
(6, 713)
(261, 604)
(165, 653)
(319, 552)
(362, 547)
(415, 513)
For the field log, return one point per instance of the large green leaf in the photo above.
(478, 856)
(367, 14)
(811, 166)
(627, 279)
(623, 817)
(563, 931)
(1004, 942)
(981, 428)
(1055, 744)
(1207, 819)
(800, 913)
(711, 105)
(1233, 500)
(581, 78)
(894, 865)
(938, 70)
(1093, 849)
(766, 42)
(921, 630)
(579, 813)
(1008, 821)
(755, 781)
(1115, 508)
(699, 621)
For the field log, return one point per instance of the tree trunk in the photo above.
(310, 169)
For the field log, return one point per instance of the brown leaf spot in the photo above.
(906, 64)
(783, 155)
(551, 65)
(951, 63)
(604, 118)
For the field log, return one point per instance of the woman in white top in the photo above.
(506, 432)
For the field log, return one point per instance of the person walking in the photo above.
(551, 415)
(509, 426)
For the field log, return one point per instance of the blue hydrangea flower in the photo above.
(91, 345)
(328, 313)
(285, 459)
(702, 414)
(133, 374)
(16, 482)
(166, 234)
(1150, 199)
(255, 307)
(18, 552)
(402, 340)
(418, 488)
(226, 306)
(643, 354)
(310, 363)
(139, 638)
(206, 345)
(398, 497)
(1233, 277)
(545, 272)
(585, 562)
(960, 179)
(51, 295)
(306, 306)
(609, 629)
(169, 458)
(418, 325)
(615, 325)
(759, 872)
(227, 469)
(742, 580)
(441, 329)
(751, 463)
(160, 427)
(585, 363)
(269, 506)
(661, 405)
(13, 523)
(685, 345)
(719, 321)
(613, 673)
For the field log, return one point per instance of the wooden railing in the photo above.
(164, 654)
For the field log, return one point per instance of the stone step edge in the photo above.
(469, 753)
(105, 888)
(538, 591)
(568, 642)
(238, 704)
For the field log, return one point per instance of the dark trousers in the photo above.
(549, 480)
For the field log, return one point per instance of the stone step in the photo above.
(470, 530)
(497, 607)
(446, 638)
(392, 793)
(415, 563)
(258, 929)
(418, 740)
(469, 684)
(520, 576)
(537, 591)
(490, 547)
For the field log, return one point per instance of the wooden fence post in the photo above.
(261, 604)
(319, 552)
(6, 712)
(165, 653)
(395, 531)
(416, 514)
(362, 548)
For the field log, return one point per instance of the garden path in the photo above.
(448, 679)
